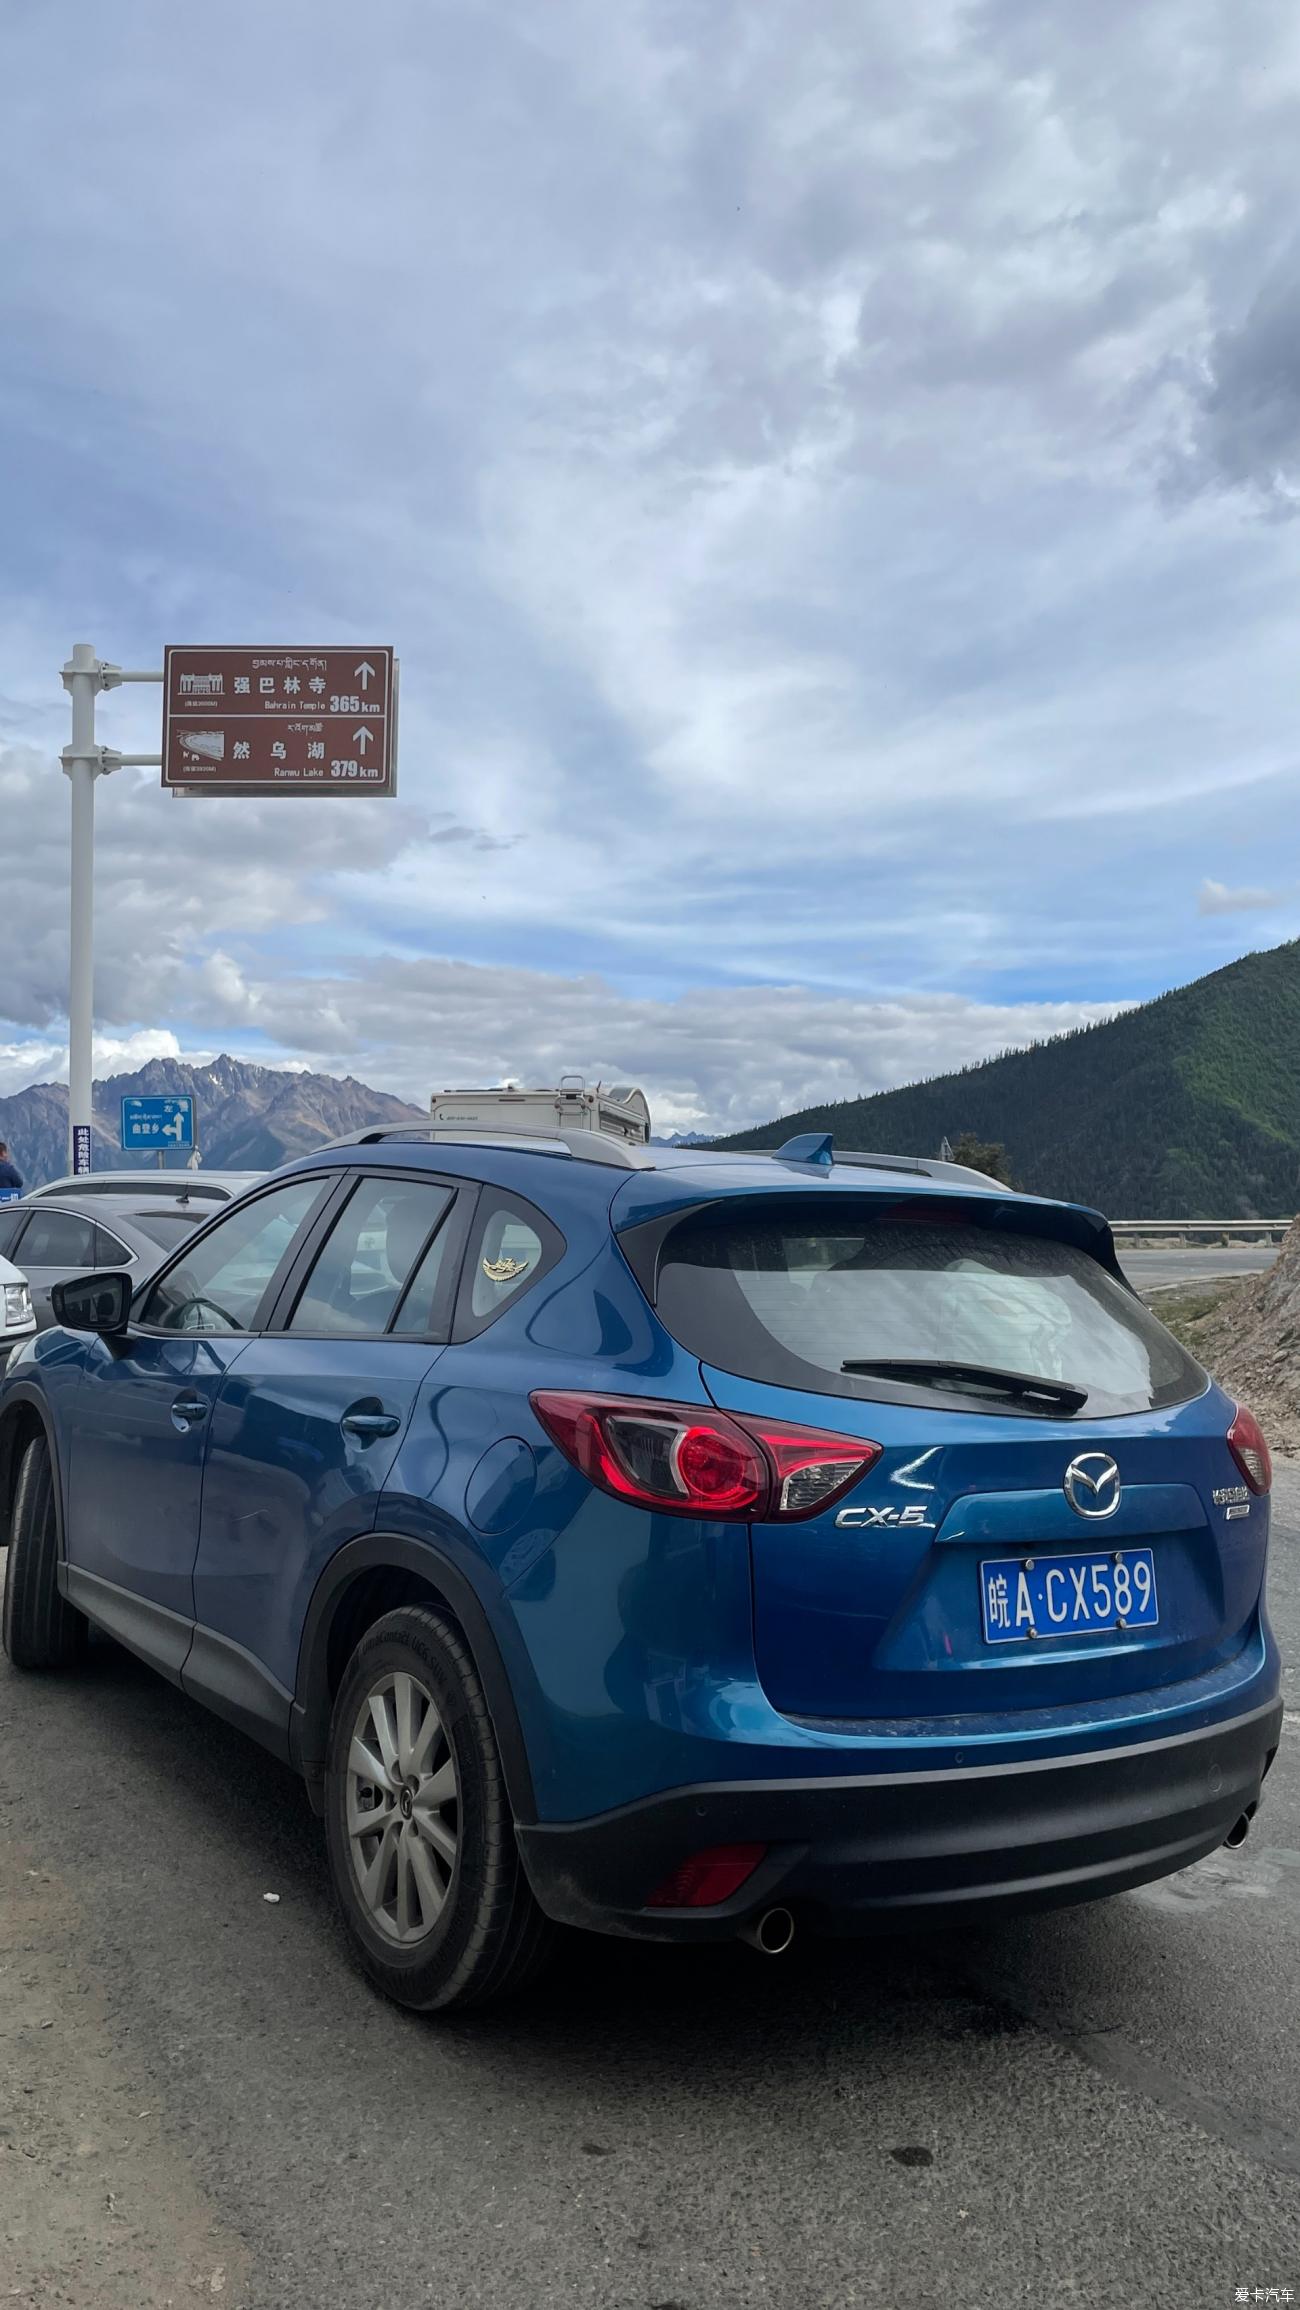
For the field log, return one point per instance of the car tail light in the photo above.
(1249, 1450)
(686, 1460)
(810, 1469)
(707, 1878)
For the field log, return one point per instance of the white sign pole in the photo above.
(84, 761)
(82, 764)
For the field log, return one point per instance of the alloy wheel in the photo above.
(403, 1808)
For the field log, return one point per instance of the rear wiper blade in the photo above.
(971, 1379)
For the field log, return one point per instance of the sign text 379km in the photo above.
(241, 721)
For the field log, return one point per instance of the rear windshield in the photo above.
(786, 1300)
(168, 1227)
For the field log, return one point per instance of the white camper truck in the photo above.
(619, 1111)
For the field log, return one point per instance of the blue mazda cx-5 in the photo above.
(666, 1543)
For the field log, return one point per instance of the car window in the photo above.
(110, 1251)
(506, 1254)
(377, 1240)
(421, 1310)
(169, 1228)
(774, 1298)
(218, 1285)
(59, 1239)
(11, 1225)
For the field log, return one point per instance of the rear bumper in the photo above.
(898, 1850)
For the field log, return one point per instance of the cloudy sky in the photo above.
(827, 470)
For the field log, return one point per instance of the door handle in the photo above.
(368, 1427)
(187, 1411)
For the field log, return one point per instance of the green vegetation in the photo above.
(1183, 1307)
(986, 1155)
(1186, 1108)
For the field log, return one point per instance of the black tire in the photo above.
(40, 1629)
(489, 1939)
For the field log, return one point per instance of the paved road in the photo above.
(1195, 1264)
(199, 2099)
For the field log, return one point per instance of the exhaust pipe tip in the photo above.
(1240, 1830)
(771, 1933)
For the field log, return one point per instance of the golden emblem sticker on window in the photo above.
(503, 1270)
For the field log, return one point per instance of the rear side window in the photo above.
(59, 1239)
(378, 1240)
(509, 1251)
(423, 1304)
(511, 1245)
(788, 1301)
(110, 1251)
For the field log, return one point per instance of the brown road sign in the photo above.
(279, 721)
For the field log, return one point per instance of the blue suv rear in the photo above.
(664, 1543)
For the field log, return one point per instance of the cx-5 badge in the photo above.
(912, 1516)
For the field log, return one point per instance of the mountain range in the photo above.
(1187, 1107)
(249, 1118)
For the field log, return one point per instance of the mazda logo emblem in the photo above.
(1091, 1484)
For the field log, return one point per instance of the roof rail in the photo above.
(816, 1151)
(859, 1160)
(586, 1146)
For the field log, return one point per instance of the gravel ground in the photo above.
(200, 2099)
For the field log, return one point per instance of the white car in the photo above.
(17, 1315)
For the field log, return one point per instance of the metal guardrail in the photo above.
(1274, 1229)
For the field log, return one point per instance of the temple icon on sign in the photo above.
(201, 685)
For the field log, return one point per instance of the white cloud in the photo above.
(42, 1061)
(31, 1062)
(712, 1058)
(807, 463)
(1216, 898)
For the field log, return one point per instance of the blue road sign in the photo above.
(81, 1150)
(157, 1124)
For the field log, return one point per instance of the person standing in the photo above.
(11, 1179)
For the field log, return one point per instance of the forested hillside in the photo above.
(1188, 1107)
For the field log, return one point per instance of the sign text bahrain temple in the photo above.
(279, 721)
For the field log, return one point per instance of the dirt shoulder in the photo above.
(1247, 1334)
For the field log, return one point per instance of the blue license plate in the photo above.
(1026, 1596)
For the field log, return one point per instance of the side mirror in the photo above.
(99, 1303)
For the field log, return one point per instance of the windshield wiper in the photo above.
(971, 1379)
